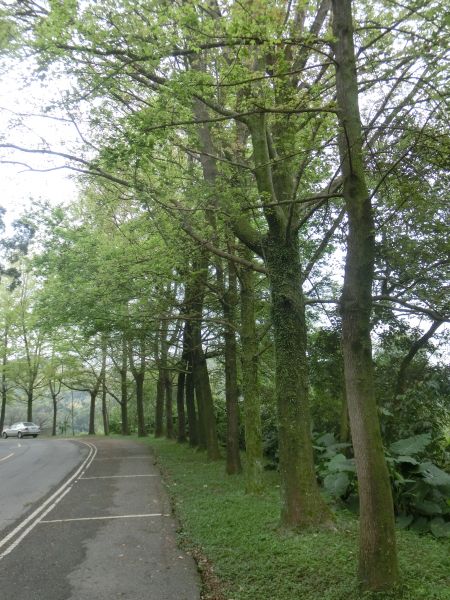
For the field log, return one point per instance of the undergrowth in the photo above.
(245, 556)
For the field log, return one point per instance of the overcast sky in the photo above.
(20, 186)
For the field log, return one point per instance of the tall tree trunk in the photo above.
(138, 372)
(124, 388)
(93, 395)
(187, 361)
(378, 568)
(207, 432)
(302, 504)
(159, 406)
(105, 411)
(169, 406)
(252, 409)
(233, 462)
(181, 416)
(207, 419)
(103, 376)
(30, 405)
(139, 378)
(4, 384)
(201, 426)
(125, 428)
(55, 410)
(190, 408)
(344, 429)
(3, 407)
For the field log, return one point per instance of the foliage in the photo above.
(423, 406)
(326, 378)
(421, 489)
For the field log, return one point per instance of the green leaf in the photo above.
(336, 484)
(404, 521)
(412, 445)
(341, 463)
(332, 450)
(428, 508)
(440, 528)
(406, 459)
(326, 440)
(433, 475)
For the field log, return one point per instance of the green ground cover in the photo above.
(253, 560)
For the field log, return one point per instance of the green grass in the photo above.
(254, 560)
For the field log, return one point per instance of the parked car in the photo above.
(21, 429)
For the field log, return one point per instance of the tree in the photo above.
(29, 345)
(86, 373)
(378, 567)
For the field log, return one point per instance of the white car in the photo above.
(21, 429)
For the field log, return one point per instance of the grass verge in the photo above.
(244, 555)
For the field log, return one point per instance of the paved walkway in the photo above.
(108, 536)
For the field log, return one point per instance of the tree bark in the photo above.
(4, 384)
(3, 407)
(188, 363)
(190, 409)
(207, 431)
(139, 377)
(344, 429)
(169, 406)
(124, 389)
(302, 504)
(105, 411)
(55, 410)
(103, 375)
(181, 416)
(205, 405)
(233, 459)
(30, 405)
(93, 395)
(252, 409)
(378, 568)
(159, 406)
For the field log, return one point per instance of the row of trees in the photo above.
(234, 152)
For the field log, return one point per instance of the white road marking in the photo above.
(17, 541)
(122, 457)
(55, 498)
(5, 457)
(107, 517)
(118, 476)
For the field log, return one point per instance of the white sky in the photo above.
(19, 185)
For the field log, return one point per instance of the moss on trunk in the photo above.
(302, 504)
(252, 408)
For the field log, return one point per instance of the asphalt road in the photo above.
(29, 470)
(94, 525)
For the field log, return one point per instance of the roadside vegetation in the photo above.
(243, 553)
